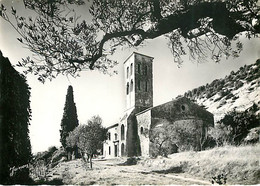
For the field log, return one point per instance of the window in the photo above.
(146, 86)
(131, 68)
(145, 70)
(139, 85)
(127, 88)
(131, 86)
(109, 136)
(109, 150)
(139, 68)
(122, 132)
(183, 108)
(141, 130)
(115, 136)
(127, 72)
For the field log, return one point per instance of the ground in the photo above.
(110, 172)
(236, 164)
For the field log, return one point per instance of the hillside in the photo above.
(238, 90)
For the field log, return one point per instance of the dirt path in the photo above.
(108, 172)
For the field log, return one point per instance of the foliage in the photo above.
(15, 114)
(224, 86)
(168, 139)
(43, 161)
(67, 43)
(187, 136)
(70, 118)
(159, 138)
(220, 179)
(88, 138)
(220, 134)
(239, 124)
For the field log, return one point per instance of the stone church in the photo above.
(132, 135)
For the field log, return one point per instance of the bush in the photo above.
(239, 84)
(220, 179)
(239, 124)
(20, 176)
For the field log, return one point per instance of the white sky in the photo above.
(96, 93)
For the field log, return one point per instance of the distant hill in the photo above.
(239, 90)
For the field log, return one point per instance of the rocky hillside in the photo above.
(238, 90)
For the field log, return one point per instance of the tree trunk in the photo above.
(90, 161)
(83, 156)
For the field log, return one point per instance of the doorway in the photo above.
(116, 151)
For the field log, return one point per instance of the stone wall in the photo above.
(144, 123)
(184, 122)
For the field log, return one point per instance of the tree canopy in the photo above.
(15, 115)
(66, 43)
(240, 123)
(70, 118)
(88, 138)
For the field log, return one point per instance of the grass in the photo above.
(240, 164)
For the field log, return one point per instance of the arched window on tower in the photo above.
(131, 86)
(131, 68)
(127, 88)
(127, 72)
(139, 85)
(141, 130)
(146, 86)
(122, 132)
(145, 70)
(139, 68)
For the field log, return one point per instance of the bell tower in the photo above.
(138, 70)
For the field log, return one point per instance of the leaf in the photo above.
(13, 11)
(3, 7)
(20, 39)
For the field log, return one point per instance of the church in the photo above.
(132, 135)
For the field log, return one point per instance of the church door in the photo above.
(116, 151)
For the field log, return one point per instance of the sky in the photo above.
(96, 93)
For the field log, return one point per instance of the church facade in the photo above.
(132, 135)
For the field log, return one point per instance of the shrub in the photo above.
(219, 179)
(230, 95)
(239, 124)
(239, 84)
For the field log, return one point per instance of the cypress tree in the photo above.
(70, 119)
(15, 113)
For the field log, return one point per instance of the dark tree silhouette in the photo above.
(240, 123)
(70, 118)
(15, 113)
(67, 43)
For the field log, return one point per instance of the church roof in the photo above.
(112, 126)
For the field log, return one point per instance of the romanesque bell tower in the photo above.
(138, 70)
